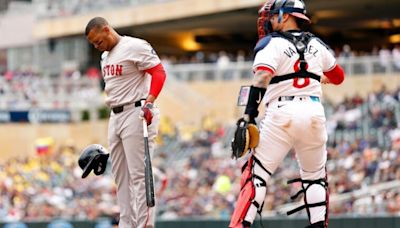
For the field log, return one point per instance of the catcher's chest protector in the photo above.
(246, 196)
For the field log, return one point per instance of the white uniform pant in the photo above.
(300, 125)
(126, 144)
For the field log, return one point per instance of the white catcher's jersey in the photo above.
(124, 68)
(281, 57)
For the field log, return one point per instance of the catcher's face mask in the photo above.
(263, 23)
(296, 8)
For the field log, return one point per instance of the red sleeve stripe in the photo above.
(265, 68)
(336, 75)
(158, 77)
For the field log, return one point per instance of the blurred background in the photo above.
(52, 106)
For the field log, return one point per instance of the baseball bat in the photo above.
(148, 170)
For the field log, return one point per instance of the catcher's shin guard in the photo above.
(251, 198)
(316, 200)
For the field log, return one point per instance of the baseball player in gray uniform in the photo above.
(133, 75)
(289, 67)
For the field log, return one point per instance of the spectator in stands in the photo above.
(199, 57)
(375, 51)
(396, 56)
(93, 73)
(223, 62)
(384, 57)
(240, 56)
(357, 100)
(346, 51)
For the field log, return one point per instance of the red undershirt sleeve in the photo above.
(158, 77)
(336, 75)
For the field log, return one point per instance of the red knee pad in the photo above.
(246, 196)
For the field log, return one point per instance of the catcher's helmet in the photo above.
(296, 8)
(93, 157)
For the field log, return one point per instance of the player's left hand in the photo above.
(147, 112)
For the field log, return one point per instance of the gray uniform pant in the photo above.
(125, 138)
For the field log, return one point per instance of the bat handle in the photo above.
(145, 131)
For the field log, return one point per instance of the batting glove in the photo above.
(147, 112)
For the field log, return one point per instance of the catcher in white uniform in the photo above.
(133, 75)
(289, 67)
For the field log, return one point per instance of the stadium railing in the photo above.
(353, 66)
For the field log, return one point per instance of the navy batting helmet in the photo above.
(93, 157)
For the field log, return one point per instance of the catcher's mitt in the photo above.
(246, 137)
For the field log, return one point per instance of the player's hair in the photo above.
(95, 22)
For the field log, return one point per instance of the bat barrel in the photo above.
(148, 172)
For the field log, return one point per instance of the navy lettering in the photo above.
(311, 50)
(289, 52)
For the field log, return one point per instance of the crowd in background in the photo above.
(385, 57)
(375, 115)
(76, 89)
(221, 57)
(385, 54)
(201, 178)
(353, 164)
(23, 90)
(49, 186)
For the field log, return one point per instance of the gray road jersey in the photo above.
(123, 70)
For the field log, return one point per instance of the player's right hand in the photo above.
(147, 112)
